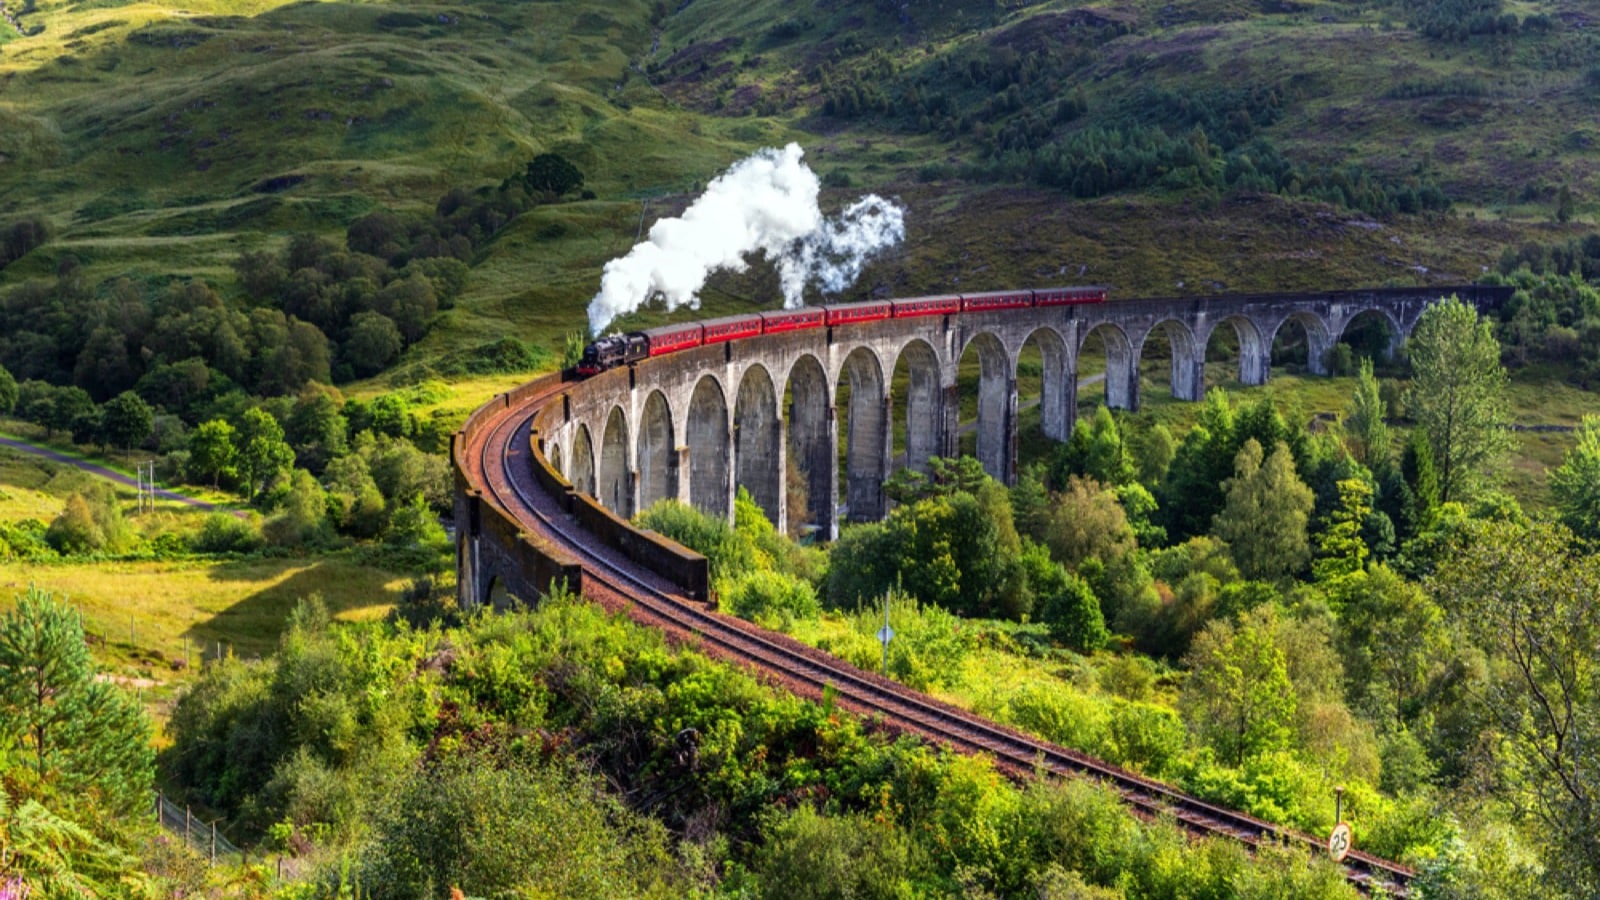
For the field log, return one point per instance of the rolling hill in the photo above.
(1159, 148)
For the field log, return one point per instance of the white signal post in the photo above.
(885, 634)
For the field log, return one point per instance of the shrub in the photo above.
(764, 596)
(75, 530)
(729, 552)
(807, 854)
(1145, 736)
(1063, 714)
(225, 533)
(517, 830)
(24, 540)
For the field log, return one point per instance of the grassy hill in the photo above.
(160, 140)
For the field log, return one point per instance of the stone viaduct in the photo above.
(696, 424)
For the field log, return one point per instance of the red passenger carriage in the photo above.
(943, 305)
(732, 328)
(993, 300)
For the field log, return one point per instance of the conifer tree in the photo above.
(1366, 433)
(1340, 550)
(82, 736)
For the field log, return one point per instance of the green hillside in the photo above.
(1158, 148)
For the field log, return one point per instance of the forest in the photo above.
(1353, 607)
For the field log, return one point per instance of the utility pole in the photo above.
(145, 479)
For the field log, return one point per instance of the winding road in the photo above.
(495, 456)
(97, 469)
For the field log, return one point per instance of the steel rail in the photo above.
(506, 467)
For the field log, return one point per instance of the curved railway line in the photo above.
(497, 456)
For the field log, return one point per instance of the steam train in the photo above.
(623, 349)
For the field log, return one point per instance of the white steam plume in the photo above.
(768, 203)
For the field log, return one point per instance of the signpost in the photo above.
(1342, 838)
(885, 635)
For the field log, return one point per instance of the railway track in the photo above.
(499, 460)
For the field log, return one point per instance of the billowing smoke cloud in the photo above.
(767, 203)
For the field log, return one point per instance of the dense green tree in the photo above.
(302, 522)
(1458, 394)
(861, 565)
(260, 273)
(1030, 501)
(36, 402)
(1063, 601)
(379, 233)
(1422, 482)
(88, 427)
(401, 472)
(1239, 689)
(213, 448)
(372, 343)
(1087, 521)
(355, 503)
(1533, 603)
(1394, 644)
(416, 537)
(80, 734)
(517, 829)
(297, 355)
(1575, 486)
(728, 552)
(1264, 522)
(1264, 422)
(103, 366)
(951, 542)
(1153, 453)
(1096, 450)
(411, 303)
(8, 392)
(1366, 433)
(181, 387)
(316, 428)
(127, 420)
(1192, 493)
(806, 854)
(552, 173)
(1139, 505)
(263, 453)
(71, 407)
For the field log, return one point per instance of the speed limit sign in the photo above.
(1340, 841)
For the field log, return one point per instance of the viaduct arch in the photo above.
(699, 424)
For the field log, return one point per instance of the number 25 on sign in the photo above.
(1340, 841)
